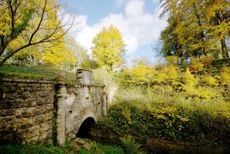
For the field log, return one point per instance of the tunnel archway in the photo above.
(85, 128)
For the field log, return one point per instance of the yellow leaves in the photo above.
(127, 114)
(25, 20)
(225, 75)
(160, 77)
(163, 117)
(50, 54)
(199, 26)
(215, 6)
(166, 110)
(199, 64)
(226, 115)
(211, 81)
(206, 60)
(58, 55)
(196, 66)
(189, 79)
(191, 86)
(16, 43)
(108, 48)
(170, 116)
(142, 73)
(219, 31)
(171, 59)
(172, 73)
(4, 19)
(205, 93)
(183, 119)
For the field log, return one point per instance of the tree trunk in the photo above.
(202, 34)
(224, 49)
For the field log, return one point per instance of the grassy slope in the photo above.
(190, 108)
(34, 73)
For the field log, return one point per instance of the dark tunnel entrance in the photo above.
(85, 128)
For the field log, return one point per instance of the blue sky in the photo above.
(137, 20)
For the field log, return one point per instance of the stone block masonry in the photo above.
(26, 111)
(47, 111)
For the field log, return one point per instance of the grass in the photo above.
(34, 149)
(51, 149)
(102, 149)
(35, 73)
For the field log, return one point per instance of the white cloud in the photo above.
(84, 33)
(137, 26)
(134, 8)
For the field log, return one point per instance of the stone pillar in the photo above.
(85, 77)
(104, 101)
(60, 121)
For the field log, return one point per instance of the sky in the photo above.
(137, 20)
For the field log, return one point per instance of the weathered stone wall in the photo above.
(90, 99)
(81, 101)
(48, 112)
(26, 111)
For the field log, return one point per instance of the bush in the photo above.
(130, 146)
(102, 149)
(188, 107)
(160, 112)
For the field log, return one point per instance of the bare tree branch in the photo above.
(40, 22)
(12, 18)
(49, 37)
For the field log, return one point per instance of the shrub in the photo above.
(225, 77)
(162, 112)
(130, 146)
(211, 81)
(189, 107)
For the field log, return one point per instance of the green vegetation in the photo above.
(171, 103)
(130, 146)
(34, 149)
(102, 149)
(35, 73)
(51, 149)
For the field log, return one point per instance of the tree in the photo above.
(80, 53)
(108, 49)
(89, 64)
(53, 53)
(171, 44)
(59, 55)
(218, 15)
(28, 23)
(201, 29)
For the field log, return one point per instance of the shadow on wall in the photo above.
(84, 130)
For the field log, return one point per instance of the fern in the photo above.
(130, 146)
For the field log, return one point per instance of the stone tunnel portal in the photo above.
(85, 128)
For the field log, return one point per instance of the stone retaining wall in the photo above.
(26, 111)
(46, 111)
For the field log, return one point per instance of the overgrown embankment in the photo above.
(167, 103)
